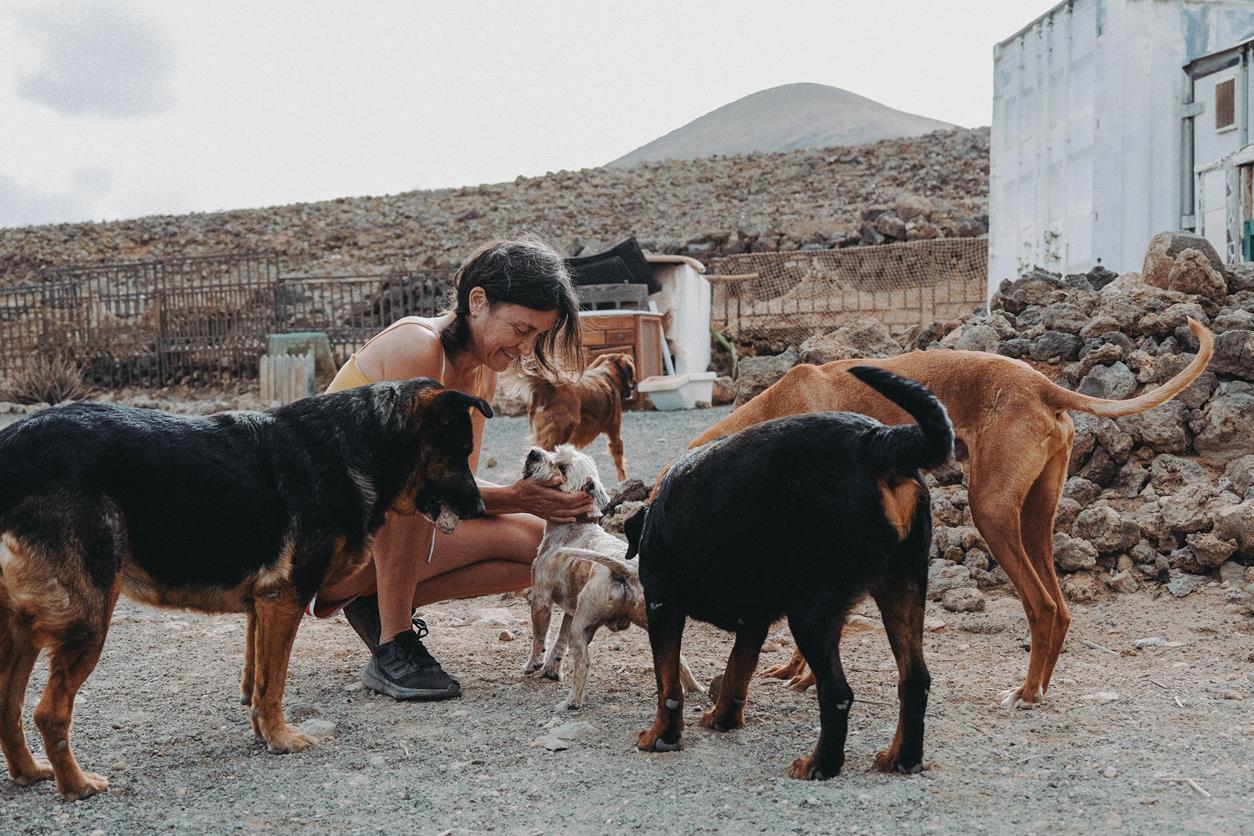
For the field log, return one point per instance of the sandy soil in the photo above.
(1111, 749)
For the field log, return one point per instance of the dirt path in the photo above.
(161, 717)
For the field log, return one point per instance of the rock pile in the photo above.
(926, 187)
(1158, 497)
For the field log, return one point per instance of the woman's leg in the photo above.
(481, 557)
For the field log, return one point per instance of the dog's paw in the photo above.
(288, 740)
(38, 771)
(89, 784)
(803, 769)
(568, 705)
(549, 673)
(711, 719)
(530, 668)
(1019, 698)
(889, 760)
(650, 740)
(802, 682)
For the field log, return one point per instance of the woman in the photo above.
(514, 301)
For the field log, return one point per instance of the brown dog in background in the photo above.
(1012, 422)
(577, 412)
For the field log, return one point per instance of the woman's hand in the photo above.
(542, 498)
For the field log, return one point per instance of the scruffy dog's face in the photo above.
(577, 471)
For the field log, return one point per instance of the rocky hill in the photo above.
(784, 118)
(704, 208)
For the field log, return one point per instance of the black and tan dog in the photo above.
(239, 512)
(797, 517)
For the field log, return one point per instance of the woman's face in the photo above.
(504, 332)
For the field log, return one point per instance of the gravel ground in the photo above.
(1111, 748)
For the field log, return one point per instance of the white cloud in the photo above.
(99, 59)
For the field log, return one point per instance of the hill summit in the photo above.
(785, 118)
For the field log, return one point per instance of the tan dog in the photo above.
(577, 412)
(1012, 421)
(579, 567)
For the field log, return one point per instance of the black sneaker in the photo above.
(404, 669)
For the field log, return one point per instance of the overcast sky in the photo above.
(125, 108)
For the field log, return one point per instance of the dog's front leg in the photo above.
(666, 634)
(250, 657)
(277, 615)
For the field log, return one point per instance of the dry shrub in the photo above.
(47, 380)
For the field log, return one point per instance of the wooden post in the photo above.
(287, 377)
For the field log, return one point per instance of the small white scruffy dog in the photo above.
(580, 568)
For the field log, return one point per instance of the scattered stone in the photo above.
(863, 337)
(943, 576)
(1083, 587)
(1150, 641)
(317, 728)
(756, 374)
(505, 636)
(1072, 554)
(1101, 698)
(1123, 582)
(963, 599)
(1182, 584)
(494, 617)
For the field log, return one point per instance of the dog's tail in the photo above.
(616, 565)
(927, 443)
(1060, 398)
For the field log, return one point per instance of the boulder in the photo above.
(1084, 588)
(1209, 550)
(724, 390)
(1170, 473)
(978, 337)
(1188, 509)
(1240, 277)
(943, 576)
(862, 337)
(1183, 262)
(1236, 523)
(1056, 347)
(1161, 429)
(963, 599)
(1240, 475)
(1113, 382)
(756, 374)
(1234, 354)
(1106, 529)
(1228, 426)
(1072, 554)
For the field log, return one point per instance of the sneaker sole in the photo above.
(396, 692)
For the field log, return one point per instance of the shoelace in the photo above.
(420, 627)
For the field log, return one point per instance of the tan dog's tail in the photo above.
(1066, 399)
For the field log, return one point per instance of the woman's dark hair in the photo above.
(525, 272)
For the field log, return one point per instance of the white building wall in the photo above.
(1086, 136)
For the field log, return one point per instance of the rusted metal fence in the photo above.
(790, 296)
(195, 321)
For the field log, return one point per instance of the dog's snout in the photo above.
(479, 509)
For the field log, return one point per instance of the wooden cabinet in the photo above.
(638, 333)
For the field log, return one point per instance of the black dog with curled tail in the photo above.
(797, 517)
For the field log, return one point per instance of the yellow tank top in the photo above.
(350, 376)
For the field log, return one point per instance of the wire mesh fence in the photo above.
(195, 321)
(790, 296)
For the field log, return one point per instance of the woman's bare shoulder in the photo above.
(409, 348)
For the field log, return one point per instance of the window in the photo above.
(1225, 104)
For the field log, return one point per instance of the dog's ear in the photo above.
(464, 401)
(634, 528)
(534, 456)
